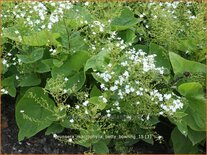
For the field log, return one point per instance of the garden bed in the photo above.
(113, 77)
(41, 144)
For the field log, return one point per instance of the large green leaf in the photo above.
(34, 112)
(196, 136)
(77, 81)
(181, 144)
(72, 65)
(90, 135)
(29, 80)
(32, 56)
(127, 35)
(34, 39)
(97, 62)
(98, 103)
(9, 85)
(196, 118)
(54, 128)
(124, 21)
(181, 65)
(41, 38)
(161, 59)
(100, 148)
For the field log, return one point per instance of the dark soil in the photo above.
(41, 144)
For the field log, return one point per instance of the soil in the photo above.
(41, 144)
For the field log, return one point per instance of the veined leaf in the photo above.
(34, 112)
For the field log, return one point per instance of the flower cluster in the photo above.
(130, 78)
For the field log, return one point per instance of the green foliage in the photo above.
(32, 121)
(181, 65)
(101, 69)
(124, 21)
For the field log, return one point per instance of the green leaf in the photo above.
(33, 39)
(76, 81)
(9, 85)
(90, 135)
(76, 42)
(33, 56)
(145, 48)
(161, 59)
(72, 65)
(100, 148)
(182, 144)
(98, 103)
(196, 117)
(127, 35)
(54, 128)
(34, 112)
(95, 92)
(196, 136)
(124, 21)
(29, 80)
(192, 90)
(97, 62)
(181, 65)
(182, 127)
(41, 38)
(41, 67)
(180, 114)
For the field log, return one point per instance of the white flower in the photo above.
(85, 103)
(167, 96)
(113, 88)
(104, 100)
(71, 121)
(17, 32)
(70, 140)
(110, 65)
(43, 26)
(108, 111)
(161, 113)
(22, 111)
(55, 136)
(126, 74)
(4, 61)
(17, 77)
(66, 79)
(86, 112)
(77, 106)
(108, 115)
(124, 63)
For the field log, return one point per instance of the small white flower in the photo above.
(108, 111)
(108, 115)
(161, 113)
(85, 103)
(110, 65)
(17, 77)
(22, 111)
(70, 140)
(77, 106)
(71, 121)
(86, 112)
(17, 32)
(66, 79)
(55, 136)
(4, 62)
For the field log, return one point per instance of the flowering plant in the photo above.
(106, 72)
